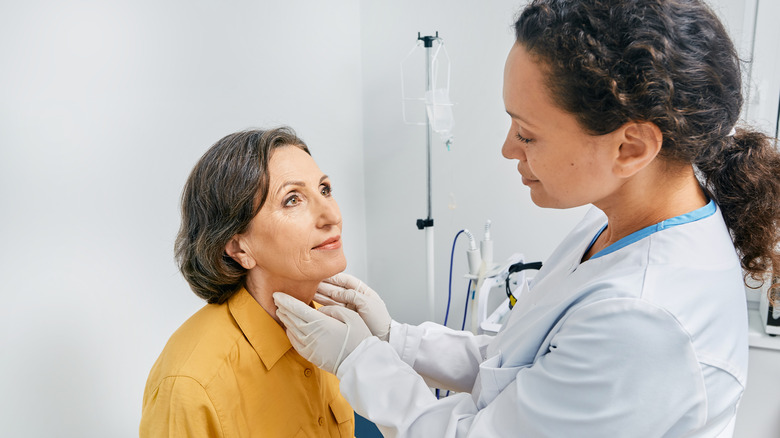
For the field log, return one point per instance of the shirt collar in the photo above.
(693, 216)
(265, 335)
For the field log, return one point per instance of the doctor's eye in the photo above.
(326, 190)
(523, 139)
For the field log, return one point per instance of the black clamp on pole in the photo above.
(428, 40)
(424, 223)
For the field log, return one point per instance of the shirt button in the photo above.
(321, 421)
(307, 372)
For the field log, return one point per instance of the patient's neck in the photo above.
(262, 286)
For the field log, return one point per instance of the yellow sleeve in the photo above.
(179, 407)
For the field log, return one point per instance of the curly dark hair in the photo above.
(225, 190)
(672, 63)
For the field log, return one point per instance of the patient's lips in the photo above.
(332, 243)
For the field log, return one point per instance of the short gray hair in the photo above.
(226, 189)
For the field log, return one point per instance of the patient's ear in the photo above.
(236, 249)
(640, 144)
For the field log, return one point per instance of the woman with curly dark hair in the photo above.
(637, 324)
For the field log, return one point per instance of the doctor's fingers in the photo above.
(339, 294)
(353, 331)
(331, 291)
(304, 334)
(303, 348)
(326, 300)
(294, 326)
(294, 306)
(293, 312)
(341, 314)
(353, 326)
(303, 318)
(347, 281)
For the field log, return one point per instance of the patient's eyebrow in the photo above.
(290, 183)
(298, 183)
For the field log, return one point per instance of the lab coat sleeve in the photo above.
(445, 358)
(179, 407)
(616, 368)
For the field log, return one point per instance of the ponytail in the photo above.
(743, 177)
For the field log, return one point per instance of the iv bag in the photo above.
(429, 96)
(439, 108)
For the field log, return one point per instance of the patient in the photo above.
(257, 218)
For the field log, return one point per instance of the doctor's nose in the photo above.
(513, 148)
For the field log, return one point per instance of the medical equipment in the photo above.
(510, 277)
(770, 315)
(475, 263)
(449, 288)
(473, 254)
(518, 267)
(486, 246)
(485, 277)
(438, 118)
(435, 95)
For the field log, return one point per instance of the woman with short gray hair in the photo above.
(258, 217)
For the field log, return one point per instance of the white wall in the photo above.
(762, 106)
(485, 186)
(477, 36)
(104, 109)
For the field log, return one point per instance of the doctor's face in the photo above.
(296, 235)
(561, 164)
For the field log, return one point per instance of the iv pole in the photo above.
(427, 223)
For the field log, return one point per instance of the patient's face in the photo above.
(296, 236)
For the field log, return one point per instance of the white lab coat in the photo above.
(647, 341)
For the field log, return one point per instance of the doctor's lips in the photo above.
(527, 181)
(332, 243)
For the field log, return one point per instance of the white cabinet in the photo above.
(759, 412)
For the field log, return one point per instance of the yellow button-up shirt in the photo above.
(230, 371)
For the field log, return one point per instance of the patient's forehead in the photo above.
(292, 164)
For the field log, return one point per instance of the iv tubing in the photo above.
(466, 310)
(449, 288)
(449, 293)
(462, 326)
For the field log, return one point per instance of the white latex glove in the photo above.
(325, 337)
(349, 291)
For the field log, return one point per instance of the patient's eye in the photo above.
(292, 200)
(326, 190)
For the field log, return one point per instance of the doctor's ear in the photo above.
(236, 249)
(640, 144)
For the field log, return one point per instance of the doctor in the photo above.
(636, 325)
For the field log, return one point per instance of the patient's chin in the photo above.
(336, 269)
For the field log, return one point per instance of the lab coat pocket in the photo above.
(492, 379)
(345, 417)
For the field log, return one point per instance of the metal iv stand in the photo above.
(427, 224)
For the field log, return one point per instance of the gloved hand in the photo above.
(354, 294)
(325, 337)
